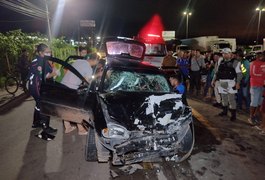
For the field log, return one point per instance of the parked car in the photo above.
(132, 112)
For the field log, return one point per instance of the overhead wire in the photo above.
(25, 7)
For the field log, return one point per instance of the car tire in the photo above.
(188, 141)
(187, 145)
(90, 149)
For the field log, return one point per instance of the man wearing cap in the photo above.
(229, 75)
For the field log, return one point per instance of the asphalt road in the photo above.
(223, 150)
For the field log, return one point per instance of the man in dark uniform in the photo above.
(229, 75)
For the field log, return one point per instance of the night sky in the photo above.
(225, 18)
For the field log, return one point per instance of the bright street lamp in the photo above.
(187, 14)
(259, 10)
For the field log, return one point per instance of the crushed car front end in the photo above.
(161, 126)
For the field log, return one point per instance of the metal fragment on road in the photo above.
(130, 169)
(113, 174)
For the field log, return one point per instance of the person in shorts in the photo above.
(257, 81)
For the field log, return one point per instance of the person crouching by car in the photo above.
(229, 75)
(35, 79)
(85, 68)
(178, 87)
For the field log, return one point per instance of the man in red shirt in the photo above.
(257, 82)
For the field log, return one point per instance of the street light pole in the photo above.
(259, 10)
(48, 21)
(187, 14)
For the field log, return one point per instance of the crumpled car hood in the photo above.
(143, 111)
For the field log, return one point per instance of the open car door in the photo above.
(62, 101)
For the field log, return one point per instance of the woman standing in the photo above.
(35, 78)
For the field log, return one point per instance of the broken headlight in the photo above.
(115, 131)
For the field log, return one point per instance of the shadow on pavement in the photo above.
(13, 102)
(34, 158)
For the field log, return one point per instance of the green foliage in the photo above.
(2, 82)
(61, 49)
(12, 42)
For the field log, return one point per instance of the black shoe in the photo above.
(222, 114)
(233, 119)
(217, 105)
(36, 125)
(233, 114)
(50, 130)
(45, 136)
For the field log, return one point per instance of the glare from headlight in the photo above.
(115, 131)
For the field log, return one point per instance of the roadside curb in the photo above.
(13, 103)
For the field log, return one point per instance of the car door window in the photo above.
(59, 66)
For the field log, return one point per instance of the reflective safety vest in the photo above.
(244, 70)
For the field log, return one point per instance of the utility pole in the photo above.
(48, 21)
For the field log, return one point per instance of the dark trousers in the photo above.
(195, 81)
(243, 95)
(24, 76)
(208, 84)
(38, 118)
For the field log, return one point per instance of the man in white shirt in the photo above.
(84, 67)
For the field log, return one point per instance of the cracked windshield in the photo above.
(135, 81)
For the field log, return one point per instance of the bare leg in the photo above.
(68, 127)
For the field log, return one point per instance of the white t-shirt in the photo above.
(71, 80)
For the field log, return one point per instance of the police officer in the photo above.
(35, 78)
(229, 75)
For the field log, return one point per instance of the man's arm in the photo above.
(203, 65)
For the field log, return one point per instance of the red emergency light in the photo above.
(152, 31)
